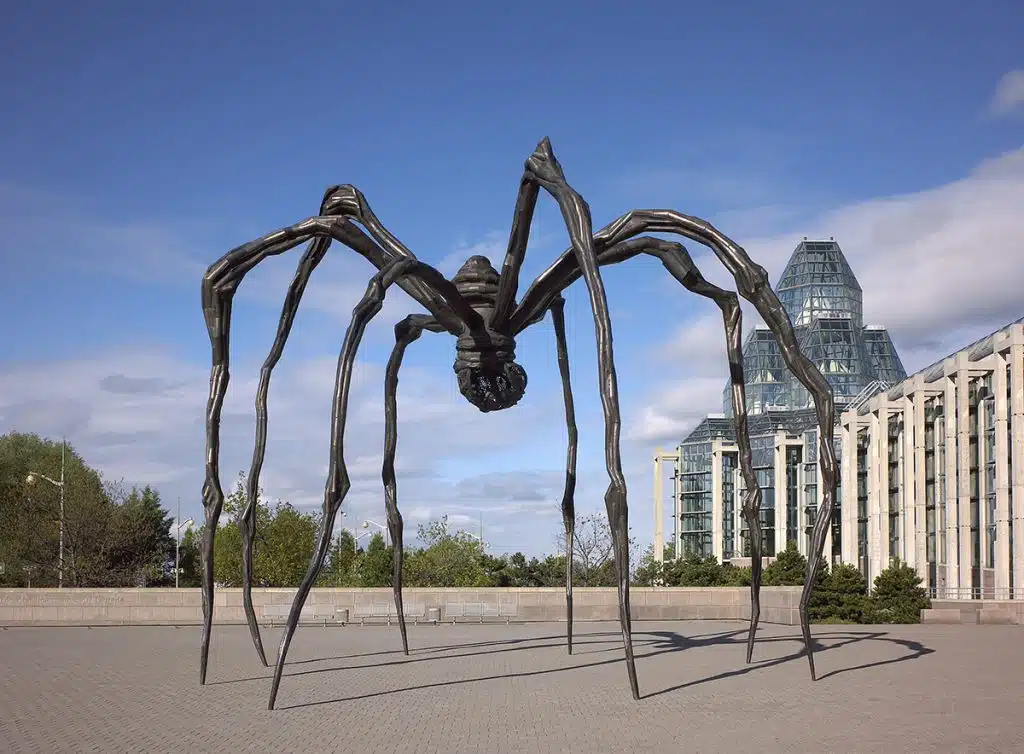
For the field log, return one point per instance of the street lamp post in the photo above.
(30, 479)
(177, 548)
(366, 525)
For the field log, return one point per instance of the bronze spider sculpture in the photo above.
(478, 306)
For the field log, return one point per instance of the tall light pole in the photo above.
(177, 544)
(366, 525)
(30, 479)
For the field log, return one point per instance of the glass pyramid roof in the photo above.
(825, 303)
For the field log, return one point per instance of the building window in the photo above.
(895, 470)
(792, 494)
(1009, 473)
(763, 450)
(728, 506)
(697, 500)
(933, 429)
(862, 505)
(988, 414)
(974, 485)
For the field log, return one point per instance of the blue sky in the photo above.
(141, 143)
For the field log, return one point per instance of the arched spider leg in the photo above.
(543, 170)
(406, 332)
(338, 483)
(348, 202)
(680, 265)
(247, 521)
(220, 283)
(568, 507)
(752, 283)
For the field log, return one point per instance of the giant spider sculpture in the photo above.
(478, 306)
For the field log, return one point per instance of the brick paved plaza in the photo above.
(497, 688)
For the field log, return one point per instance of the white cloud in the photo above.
(138, 415)
(1009, 94)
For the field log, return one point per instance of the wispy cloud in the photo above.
(1009, 94)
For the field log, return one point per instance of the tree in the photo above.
(139, 541)
(341, 562)
(593, 555)
(898, 596)
(534, 572)
(375, 564)
(448, 559)
(649, 571)
(30, 515)
(283, 546)
(189, 560)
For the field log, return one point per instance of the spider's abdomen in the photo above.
(485, 364)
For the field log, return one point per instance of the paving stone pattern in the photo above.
(497, 688)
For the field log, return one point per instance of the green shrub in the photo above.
(733, 576)
(841, 597)
(898, 596)
(790, 569)
(693, 571)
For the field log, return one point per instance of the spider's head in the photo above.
(492, 388)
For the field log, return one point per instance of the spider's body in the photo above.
(485, 366)
(479, 307)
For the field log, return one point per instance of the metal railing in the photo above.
(974, 593)
(868, 392)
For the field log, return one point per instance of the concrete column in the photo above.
(717, 504)
(848, 482)
(737, 512)
(1002, 522)
(963, 460)
(659, 508)
(780, 491)
(951, 491)
(1017, 455)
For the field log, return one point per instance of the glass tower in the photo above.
(825, 303)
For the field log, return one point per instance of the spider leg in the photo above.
(568, 507)
(752, 283)
(406, 332)
(542, 168)
(338, 483)
(681, 266)
(220, 283)
(218, 289)
(247, 521)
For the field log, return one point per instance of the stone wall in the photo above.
(184, 606)
(985, 612)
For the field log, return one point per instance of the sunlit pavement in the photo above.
(498, 688)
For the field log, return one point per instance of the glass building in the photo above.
(825, 303)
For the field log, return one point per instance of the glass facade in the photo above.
(819, 284)
(824, 301)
